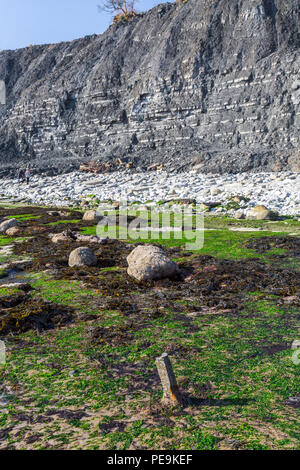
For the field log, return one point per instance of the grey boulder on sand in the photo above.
(150, 262)
(6, 224)
(82, 256)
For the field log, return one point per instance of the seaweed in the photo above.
(227, 325)
(33, 314)
(261, 245)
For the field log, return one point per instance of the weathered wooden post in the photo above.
(170, 388)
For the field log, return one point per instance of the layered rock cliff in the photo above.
(211, 83)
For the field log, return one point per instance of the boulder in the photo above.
(82, 256)
(262, 213)
(70, 236)
(6, 224)
(13, 231)
(92, 216)
(239, 215)
(150, 262)
(60, 237)
(89, 238)
(204, 207)
(215, 191)
(64, 214)
(236, 199)
(65, 236)
(53, 213)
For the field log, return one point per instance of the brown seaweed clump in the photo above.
(264, 244)
(33, 314)
(114, 336)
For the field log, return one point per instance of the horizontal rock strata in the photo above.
(212, 84)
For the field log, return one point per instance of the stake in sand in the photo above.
(170, 388)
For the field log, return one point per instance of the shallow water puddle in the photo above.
(14, 276)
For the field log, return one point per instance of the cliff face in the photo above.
(212, 83)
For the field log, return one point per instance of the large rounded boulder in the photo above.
(7, 224)
(262, 213)
(150, 262)
(82, 256)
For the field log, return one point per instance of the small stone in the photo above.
(239, 215)
(215, 191)
(230, 444)
(60, 237)
(92, 216)
(82, 256)
(204, 207)
(296, 344)
(53, 213)
(89, 238)
(237, 199)
(13, 231)
(85, 203)
(63, 214)
(294, 402)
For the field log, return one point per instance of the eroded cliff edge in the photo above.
(212, 83)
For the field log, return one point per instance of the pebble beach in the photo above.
(277, 191)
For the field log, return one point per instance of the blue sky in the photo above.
(24, 22)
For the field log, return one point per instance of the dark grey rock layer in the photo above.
(212, 83)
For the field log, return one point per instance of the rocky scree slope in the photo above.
(212, 83)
